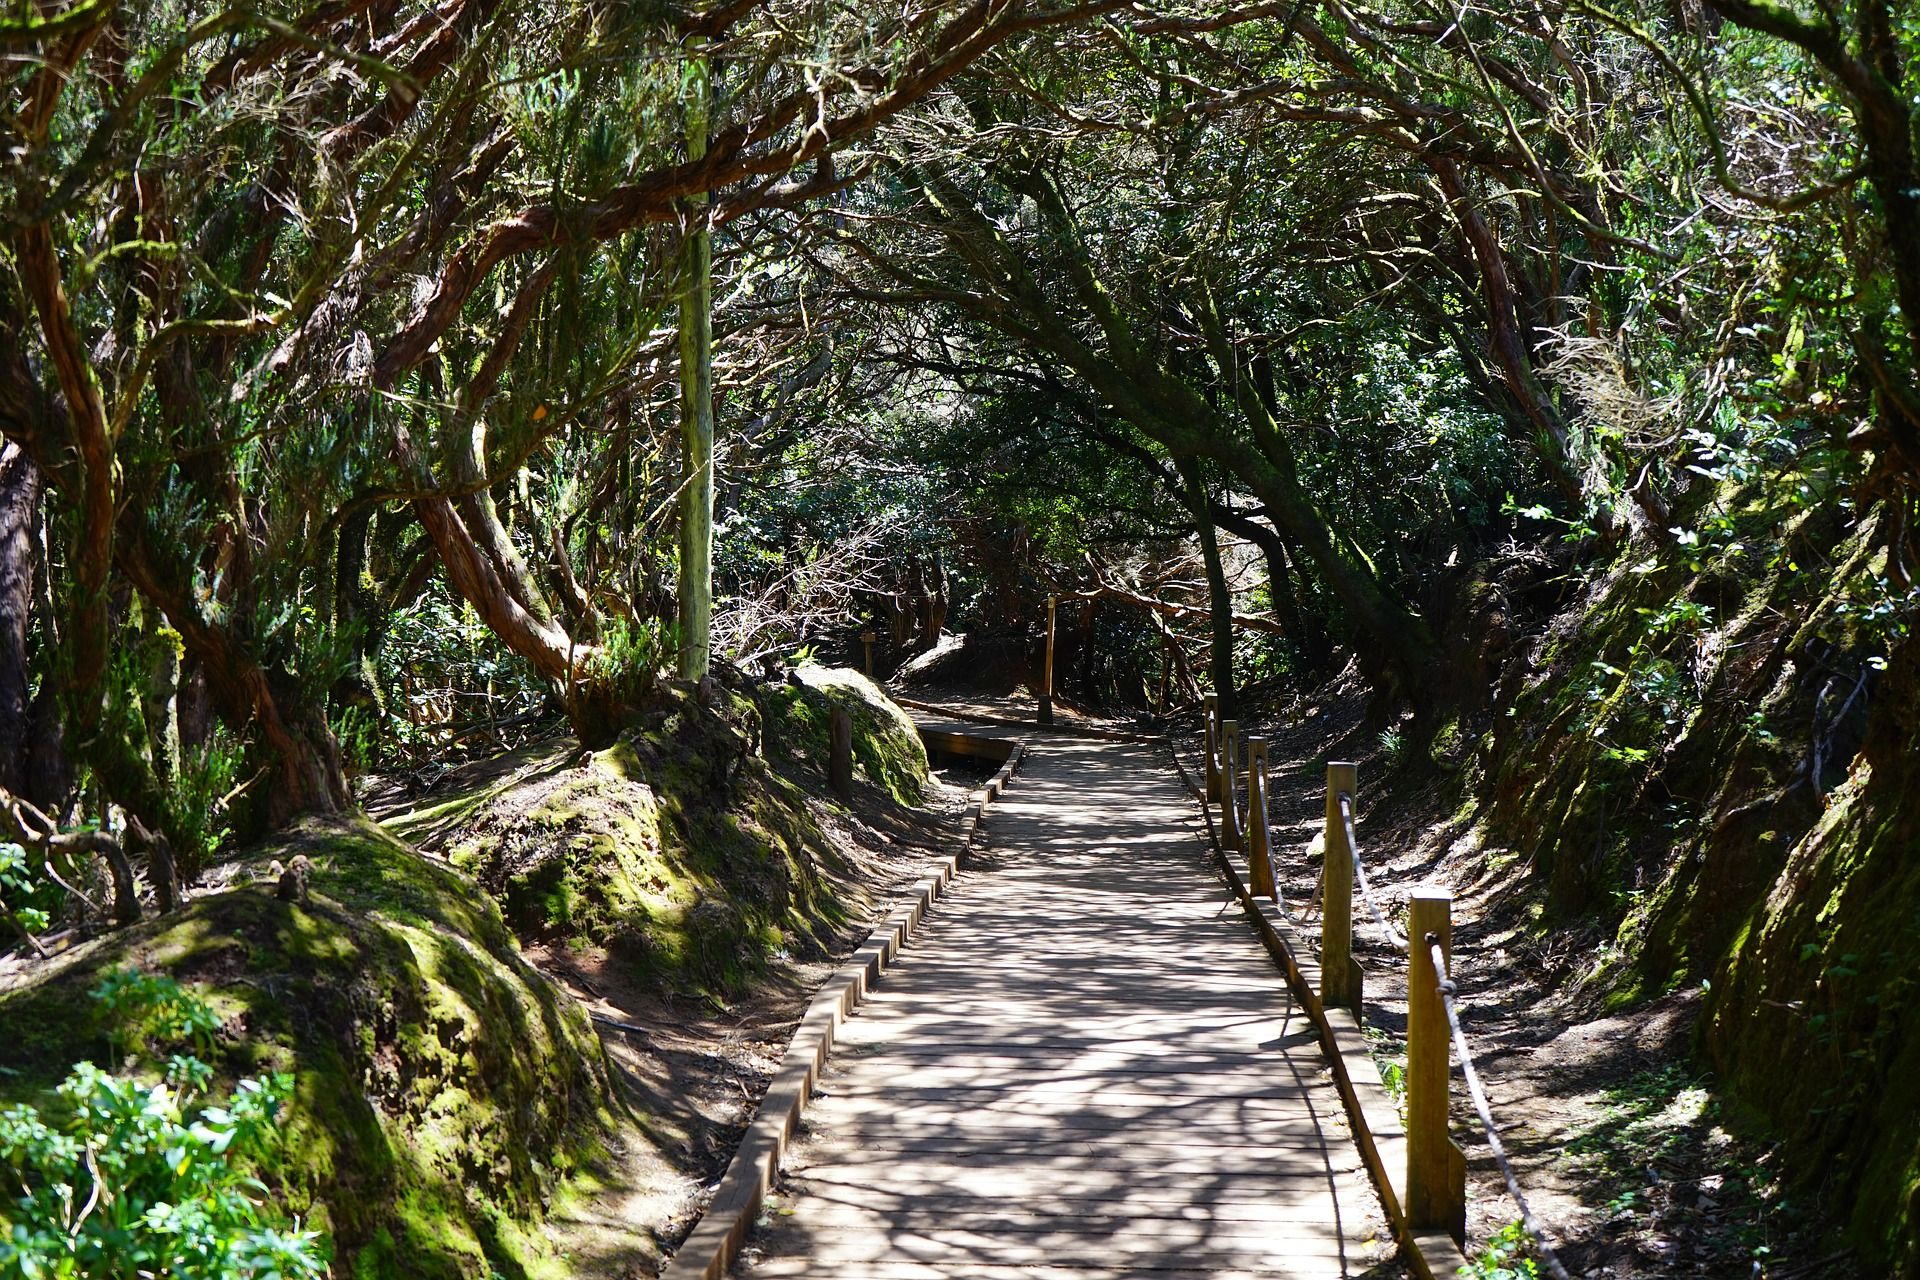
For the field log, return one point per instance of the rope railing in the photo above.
(1449, 996)
(1435, 1191)
(1391, 934)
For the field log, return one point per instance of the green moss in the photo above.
(887, 750)
(681, 848)
(1812, 1019)
(443, 1088)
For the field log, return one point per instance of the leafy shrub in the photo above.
(1505, 1257)
(19, 891)
(122, 1177)
(197, 798)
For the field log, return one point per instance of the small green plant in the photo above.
(1394, 744)
(198, 800)
(123, 1176)
(1389, 1055)
(18, 890)
(1504, 1257)
(1393, 1077)
(151, 1009)
(628, 660)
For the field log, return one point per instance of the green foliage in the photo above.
(123, 1177)
(197, 797)
(1504, 1257)
(1393, 745)
(627, 664)
(443, 1092)
(149, 1009)
(19, 891)
(437, 665)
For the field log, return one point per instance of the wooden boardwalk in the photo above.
(1084, 1068)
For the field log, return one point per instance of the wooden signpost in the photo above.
(1046, 670)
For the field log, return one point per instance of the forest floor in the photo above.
(1618, 1137)
(694, 1067)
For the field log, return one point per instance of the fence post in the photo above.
(1046, 671)
(1436, 1168)
(866, 639)
(1339, 971)
(1166, 677)
(1259, 838)
(840, 754)
(1212, 704)
(1230, 784)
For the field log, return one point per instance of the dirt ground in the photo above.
(1619, 1139)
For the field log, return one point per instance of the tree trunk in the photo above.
(304, 760)
(19, 499)
(696, 403)
(1552, 443)
(1309, 637)
(1220, 600)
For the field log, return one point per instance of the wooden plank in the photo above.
(1093, 1213)
(974, 746)
(1116, 1186)
(806, 1269)
(961, 1253)
(1079, 1070)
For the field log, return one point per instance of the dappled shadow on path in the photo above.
(1083, 1067)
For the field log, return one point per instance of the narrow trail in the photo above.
(1084, 1068)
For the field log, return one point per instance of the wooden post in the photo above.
(840, 755)
(1166, 677)
(1046, 671)
(1259, 838)
(1436, 1168)
(1212, 704)
(1339, 971)
(866, 639)
(1230, 784)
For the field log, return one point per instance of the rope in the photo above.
(1479, 1095)
(1392, 935)
(1273, 862)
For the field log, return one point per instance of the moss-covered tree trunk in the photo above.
(696, 401)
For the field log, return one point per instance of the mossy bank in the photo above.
(451, 1102)
(690, 849)
(444, 1090)
(1706, 764)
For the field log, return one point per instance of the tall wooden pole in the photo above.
(1339, 971)
(1436, 1171)
(866, 641)
(1046, 670)
(696, 396)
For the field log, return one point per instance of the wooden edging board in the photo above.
(716, 1238)
(1068, 730)
(1377, 1128)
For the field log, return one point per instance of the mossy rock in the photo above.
(444, 1091)
(887, 749)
